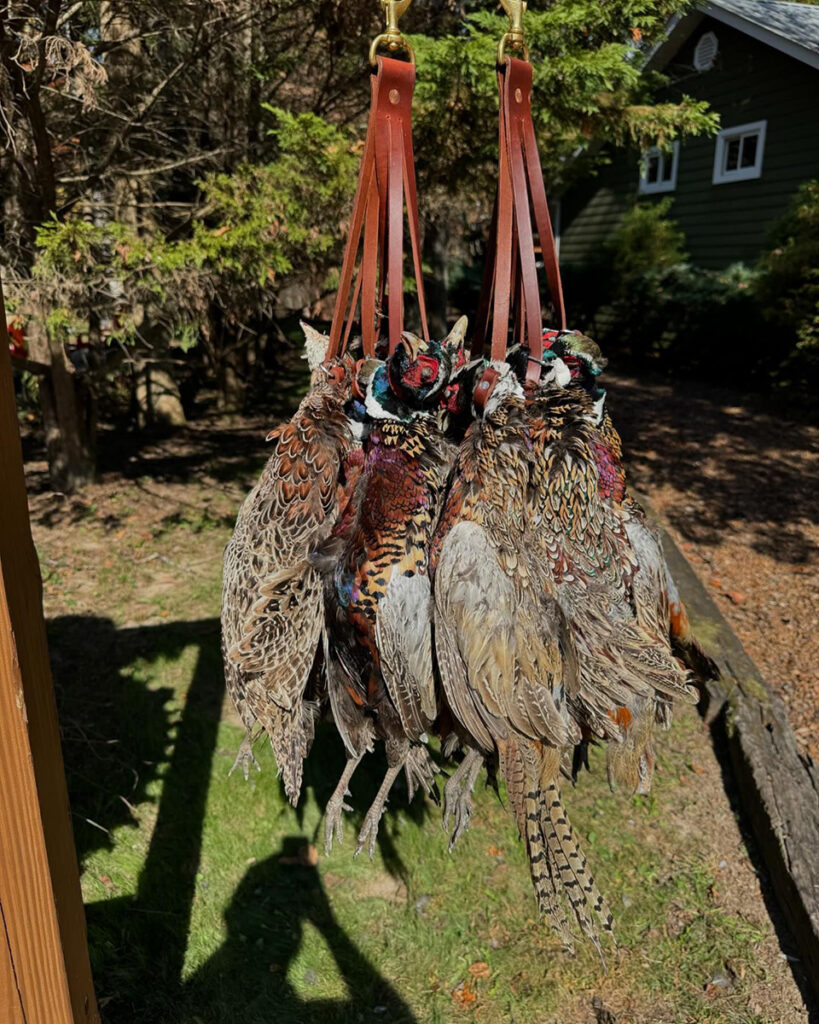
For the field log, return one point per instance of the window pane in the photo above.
(732, 154)
(653, 169)
(668, 166)
(749, 148)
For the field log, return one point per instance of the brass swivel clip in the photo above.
(392, 38)
(514, 39)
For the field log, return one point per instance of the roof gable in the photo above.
(792, 28)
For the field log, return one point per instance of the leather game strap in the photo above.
(510, 282)
(386, 182)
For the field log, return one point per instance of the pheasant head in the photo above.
(334, 376)
(580, 353)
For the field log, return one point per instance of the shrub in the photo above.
(787, 289)
(653, 305)
(646, 241)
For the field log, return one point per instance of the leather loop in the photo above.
(386, 182)
(510, 283)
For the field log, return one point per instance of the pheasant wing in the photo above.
(280, 635)
(403, 637)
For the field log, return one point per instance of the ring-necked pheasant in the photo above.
(379, 651)
(503, 645)
(272, 603)
(586, 362)
(654, 595)
(627, 669)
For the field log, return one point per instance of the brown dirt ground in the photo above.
(738, 489)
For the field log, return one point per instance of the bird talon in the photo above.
(244, 758)
(334, 823)
(369, 830)
(458, 796)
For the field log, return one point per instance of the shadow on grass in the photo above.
(119, 738)
(246, 980)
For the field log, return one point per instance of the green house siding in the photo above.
(722, 223)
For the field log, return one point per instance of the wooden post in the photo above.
(778, 789)
(45, 975)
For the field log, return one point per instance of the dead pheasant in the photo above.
(586, 362)
(379, 648)
(627, 670)
(503, 646)
(272, 603)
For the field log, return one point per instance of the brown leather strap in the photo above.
(386, 182)
(511, 266)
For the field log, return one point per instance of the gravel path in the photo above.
(738, 489)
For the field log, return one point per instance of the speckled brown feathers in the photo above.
(272, 607)
(504, 651)
(624, 665)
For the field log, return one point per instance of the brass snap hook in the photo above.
(515, 9)
(392, 38)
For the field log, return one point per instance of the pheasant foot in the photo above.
(336, 806)
(421, 770)
(458, 794)
(245, 758)
(369, 830)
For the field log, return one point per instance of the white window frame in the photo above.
(647, 188)
(724, 177)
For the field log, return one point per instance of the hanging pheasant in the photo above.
(658, 592)
(272, 605)
(503, 645)
(656, 603)
(379, 653)
(625, 665)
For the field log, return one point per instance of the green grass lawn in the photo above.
(205, 902)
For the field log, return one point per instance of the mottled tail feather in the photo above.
(701, 665)
(558, 867)
(630, 762)
(291, 735)
(684, 643)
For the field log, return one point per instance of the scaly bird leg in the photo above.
(334, 811)
(245, 757)
(421, 770)
(369, 830)
(458, 794)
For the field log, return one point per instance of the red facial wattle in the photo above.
(452, 399)
(422, 371)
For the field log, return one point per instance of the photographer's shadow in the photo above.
(247, 978)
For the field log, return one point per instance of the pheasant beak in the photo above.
(412, 343)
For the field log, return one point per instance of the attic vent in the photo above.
(705, 52)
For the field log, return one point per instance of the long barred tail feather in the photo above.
(576, 878)
(542, 869)
(556, 863)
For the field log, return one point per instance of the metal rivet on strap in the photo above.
(394, 96)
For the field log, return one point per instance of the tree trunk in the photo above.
(231, 377)
(69, 431)
(435, 283)
(68, 420)
(158, 401)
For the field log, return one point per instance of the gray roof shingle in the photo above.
(796, 22)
